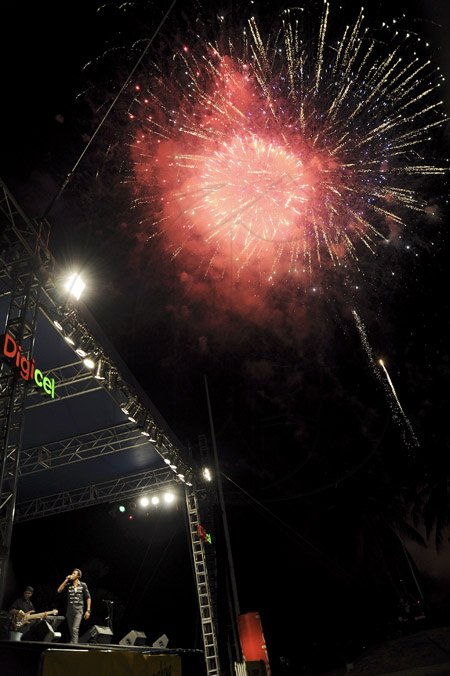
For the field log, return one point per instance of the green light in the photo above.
(121, 508)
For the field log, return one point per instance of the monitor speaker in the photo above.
(134, 638)
(161, 642)
(97, 634)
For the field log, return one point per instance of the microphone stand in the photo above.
(110, 609)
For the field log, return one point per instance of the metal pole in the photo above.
(234, 611)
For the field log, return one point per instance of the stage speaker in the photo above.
(134, 638)
(161, 642)
(97, 634)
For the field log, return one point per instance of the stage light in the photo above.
(206, 474)
(122, 508)
(149, 430)
(89, 363)
(74, 336)
(60, 323)
(127, 406)
(155, 500)
(144, 502)
(75, 285)
(133, 412)
(84, 346)
(174, 461)
(153, 433)
(111, 378)
(169, 498)
(100, 370)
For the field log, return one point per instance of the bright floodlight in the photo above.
(75, 285)
(155, 500)
(144, 502)
(206, 474)
(169, 497)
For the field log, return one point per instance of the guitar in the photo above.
(19, 617)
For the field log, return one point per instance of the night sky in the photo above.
(315, 457)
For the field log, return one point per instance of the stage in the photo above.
(34, 658)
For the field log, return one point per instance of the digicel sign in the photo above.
(28, 370)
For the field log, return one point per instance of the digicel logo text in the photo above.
(27, 367)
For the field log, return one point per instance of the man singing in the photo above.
(77, 595)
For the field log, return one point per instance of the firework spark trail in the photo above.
(295, 150)
(394, 394)
(397, 411)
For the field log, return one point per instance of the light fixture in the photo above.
(126, 407)
(169, 498)
(153, 430)
(89, 362)
(155, 500)
(74, 336)
(75, 285)
(111, 378)
(100, 370)
(206, 474)
(84, 346)
(133, 412)
(149, 430)
(144, 501)
(67, 317)
(166, 455)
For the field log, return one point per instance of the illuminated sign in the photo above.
(27, 367)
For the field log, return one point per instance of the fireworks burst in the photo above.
(273, 156)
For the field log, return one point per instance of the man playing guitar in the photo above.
(21, 605)
(22, 614)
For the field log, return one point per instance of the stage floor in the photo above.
(33, 658)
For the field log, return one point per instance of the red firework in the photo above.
(274, 156)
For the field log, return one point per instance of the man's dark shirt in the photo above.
(76, 596)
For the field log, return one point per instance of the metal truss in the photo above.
(72, 380)
(21, 254)
(28, 274)
(78, 448)
(108, 491)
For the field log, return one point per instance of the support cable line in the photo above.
(106, 115)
